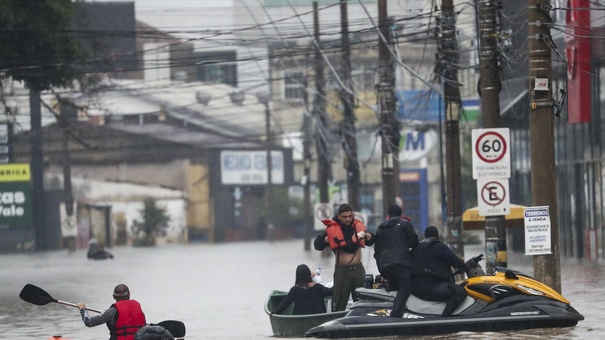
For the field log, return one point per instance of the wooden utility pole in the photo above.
(348, 125)
(495, 230)
(451, 94)
(547, 268)
(319, 112)
(389, 124)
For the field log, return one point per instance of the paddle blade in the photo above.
(35, 295)
(176, 328)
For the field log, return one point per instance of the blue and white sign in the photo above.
(250, 167)
(537, 231)
(414, 144)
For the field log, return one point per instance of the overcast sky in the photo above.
(167, 4)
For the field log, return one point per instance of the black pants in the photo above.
(433, 289)
(400, 279)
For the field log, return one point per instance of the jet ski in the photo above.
(506, 300)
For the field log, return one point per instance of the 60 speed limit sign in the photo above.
(491, 153)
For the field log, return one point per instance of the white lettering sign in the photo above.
(537, 231)
(250, 167)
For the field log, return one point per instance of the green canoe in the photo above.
(288, 325)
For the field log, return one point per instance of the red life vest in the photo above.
(130, 319)
(336, 239)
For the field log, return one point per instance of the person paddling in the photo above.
(123, 318)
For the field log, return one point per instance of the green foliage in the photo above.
(154, 223)
(35, 44)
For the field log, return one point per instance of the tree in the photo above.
(36, 48)
(154, 223)
(36, 45)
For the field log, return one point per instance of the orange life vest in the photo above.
(336, 239)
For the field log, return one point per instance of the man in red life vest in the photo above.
(123, 318)
(345, 236)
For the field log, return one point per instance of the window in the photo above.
(217, 67)
(294, 83)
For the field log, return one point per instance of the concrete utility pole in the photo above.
(547, 268)
(307, 213)
(37, 170)
(386, 101)
(495, 230)
(448, 71)
(319, 112)
(348, 125)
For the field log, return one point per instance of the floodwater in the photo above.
(219, 290)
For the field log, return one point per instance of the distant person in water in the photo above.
(97, 252)
(307, 296)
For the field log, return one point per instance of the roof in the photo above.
(183, 115)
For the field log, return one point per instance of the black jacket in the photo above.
(433, 258)
(394, 238)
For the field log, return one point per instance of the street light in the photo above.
(264, 98)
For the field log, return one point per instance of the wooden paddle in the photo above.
(38, 296)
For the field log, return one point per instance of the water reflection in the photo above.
(219, 290)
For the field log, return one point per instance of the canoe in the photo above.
(288, 325)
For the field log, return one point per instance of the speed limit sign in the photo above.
(491, 153)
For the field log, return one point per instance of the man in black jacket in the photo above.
(433, 280)
(394, 237)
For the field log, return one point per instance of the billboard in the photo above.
(15, 196)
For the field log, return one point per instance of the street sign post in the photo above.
(493, 197)
(491, 153)
(323, 211)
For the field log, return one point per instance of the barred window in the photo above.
(294, 83)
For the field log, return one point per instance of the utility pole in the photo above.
(319, 112)
(307, 213)
(495, 230)
(547, 268)
(265, 99)
(389, 123)
(37, 170)
(68, 114)
(348, 125)
(448, 71)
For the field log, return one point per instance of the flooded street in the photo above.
(219, 291)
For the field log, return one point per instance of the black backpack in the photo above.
(153, 332)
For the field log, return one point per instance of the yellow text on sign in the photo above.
(15, 172)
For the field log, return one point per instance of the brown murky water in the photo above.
(219, 290)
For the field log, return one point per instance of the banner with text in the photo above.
(15, 196)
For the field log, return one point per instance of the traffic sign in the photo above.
(494, 199)
(323, 211)
(491, 153)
